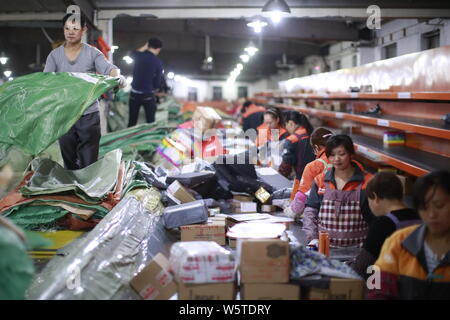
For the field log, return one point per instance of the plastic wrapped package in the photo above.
(150, 198)
(305, 262)
(100, 265)
(202, 262)
(151, 177)
(186, 213)
(191, 179)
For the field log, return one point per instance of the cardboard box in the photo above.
(269, 208)
(339, 289)
(248, 207)
(243, 206)
(270, 291)
(242, 197)
(179, 193)
(207, 291)
(232, 219)
(264, 261)
(274, 219)
(205, 118)
(213, 230)
(155, 282)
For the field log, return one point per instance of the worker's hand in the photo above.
(122, 81)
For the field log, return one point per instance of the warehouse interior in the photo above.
(206, 200)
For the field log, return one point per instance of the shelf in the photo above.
(436, 96)
(434, 128)
(410, 160)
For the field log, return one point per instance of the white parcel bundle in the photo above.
(202, 262)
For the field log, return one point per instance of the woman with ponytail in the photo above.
(319, 138)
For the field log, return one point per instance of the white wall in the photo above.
(205, 89)
(343, 52)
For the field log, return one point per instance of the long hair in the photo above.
(300, 119)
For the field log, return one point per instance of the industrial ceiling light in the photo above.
(239, 66)
(7, 73)
(3, 59)
(251, 49)
(257, 25)
(128, 59)
(114, 48)
(244, 58)
(170, 75)
(276, 9)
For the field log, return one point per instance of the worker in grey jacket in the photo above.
(80, 146)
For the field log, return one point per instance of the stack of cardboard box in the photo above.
(212, 230)
(155, 281)
(203, 271)
(264, 270)
(338, 289)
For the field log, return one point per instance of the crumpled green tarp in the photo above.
(37, 215)
(37, 109)
(91, 183)
(143, 137)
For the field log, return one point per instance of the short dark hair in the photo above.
(82, 19)
(433, 180)
(155, 43)
(299, 119)
(320, 136)
(275, 113)
(385, 185)
(339, 140)
(245, 105)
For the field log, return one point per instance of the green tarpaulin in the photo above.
(144, 137)
(91, 183)
(37, 109)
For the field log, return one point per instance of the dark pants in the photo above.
(79, 147)
(136, 101)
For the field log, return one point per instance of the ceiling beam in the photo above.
(236, 13)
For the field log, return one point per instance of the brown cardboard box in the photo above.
(243, 197)
(243, 206)
(213, 230)
(205, 118)
(264, 261)
(207, 291)
(340, 289)
(155, 282)
(274, 219)
(270, 291)
(269, 208)
(180, 193)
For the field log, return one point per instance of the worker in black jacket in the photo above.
(297, 152)
(252, 115)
